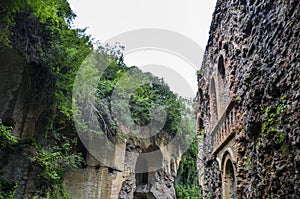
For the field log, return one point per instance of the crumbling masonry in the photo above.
(248, 102)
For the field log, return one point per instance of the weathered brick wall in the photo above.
(253, 56)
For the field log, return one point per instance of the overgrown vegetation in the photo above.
(6, 136)
(51, 165)
(186, 182)
(147, 101)
(7, 188)
(274, 116)
(40, 31)
(125, 99)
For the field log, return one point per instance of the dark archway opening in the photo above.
(221, 67)
(146, 168)
(229, 179)
(141, 178)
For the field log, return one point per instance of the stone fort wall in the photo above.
(248, 106)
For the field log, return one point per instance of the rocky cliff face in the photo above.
(251, 61)
(20, 103)
(19, 107)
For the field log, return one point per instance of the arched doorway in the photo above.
(147, 163)
(146, 168)
(229, 182)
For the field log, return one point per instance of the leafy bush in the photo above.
(6, 136)
(187, 192)
(7, 139)
(7, 189)
(51, 165)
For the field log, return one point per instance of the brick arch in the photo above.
(228, 152)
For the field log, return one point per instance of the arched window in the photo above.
(221, 67)
(221, 83)
(229, 180)
(213, 102)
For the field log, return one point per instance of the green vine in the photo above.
(274, 116)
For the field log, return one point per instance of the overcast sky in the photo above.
(108, 18)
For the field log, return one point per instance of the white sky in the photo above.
(107, 18)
